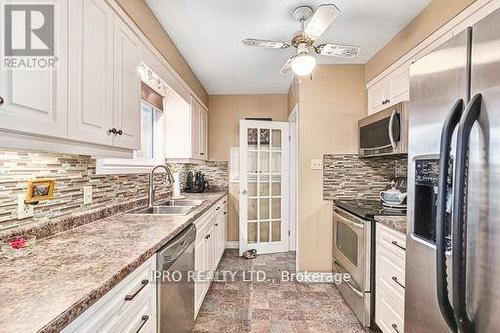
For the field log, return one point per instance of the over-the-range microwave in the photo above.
(385, 132)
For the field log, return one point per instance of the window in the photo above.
(150, 116)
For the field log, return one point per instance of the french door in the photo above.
(264, 186)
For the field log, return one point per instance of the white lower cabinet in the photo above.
(209, 248)
(128, 307)
(389, 279)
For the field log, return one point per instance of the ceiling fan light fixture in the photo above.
(303, 64)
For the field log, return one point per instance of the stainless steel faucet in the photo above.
(151, 194)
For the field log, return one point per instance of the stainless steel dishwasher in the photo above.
(175, 289)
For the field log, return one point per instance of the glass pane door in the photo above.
(261, 185)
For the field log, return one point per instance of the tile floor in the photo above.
(272, 306)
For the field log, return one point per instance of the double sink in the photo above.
(169, 207)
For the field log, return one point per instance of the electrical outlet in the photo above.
(316, 164)
(87, 195)
(23, 210)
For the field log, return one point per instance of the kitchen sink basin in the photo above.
(163, 210)
(181, 202)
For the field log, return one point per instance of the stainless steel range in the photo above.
(354, 252)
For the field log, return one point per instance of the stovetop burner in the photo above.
(368, 209)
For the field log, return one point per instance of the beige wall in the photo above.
(226, 112)
(329, 108)
(140, 13)
(435, 15)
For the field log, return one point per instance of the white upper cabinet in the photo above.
(187, 131)
(104, 93)
(35, 101)
(199, 118)
(204, 134)
(91, 71)
(390, 90)
(127, 102)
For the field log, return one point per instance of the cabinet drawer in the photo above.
(389, 314)
(109, 312)
(392, 240)
(390, 272)
(141, 316)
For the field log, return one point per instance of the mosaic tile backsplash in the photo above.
(350, 176)
(72, 173)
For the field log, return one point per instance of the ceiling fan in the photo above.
(303, 62)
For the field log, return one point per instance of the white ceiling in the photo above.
(208, 33)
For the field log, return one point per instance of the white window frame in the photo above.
(116, 166)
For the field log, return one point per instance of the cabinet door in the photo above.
(199, 267)
(377, 96)
(90, 71)
(400, 84)
(127, 88)
(195, 129)
(203, 134)
(35, 101)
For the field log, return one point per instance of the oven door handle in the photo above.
(349, 222)
(394, 144)
(449, 126)
(343, 271)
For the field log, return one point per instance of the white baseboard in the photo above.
(232, 245)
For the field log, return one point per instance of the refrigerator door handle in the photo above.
(449, 126)
(459, 237)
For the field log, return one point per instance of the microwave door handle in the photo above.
(469, 117)
(391, 124)
(449, 126)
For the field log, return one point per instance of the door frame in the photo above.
(267, 247)
(293, 119)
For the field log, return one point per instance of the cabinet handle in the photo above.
(144, 283)
(1, 100)
(119, 132)
(397, 245)
(395, 279)
(216, 224)
(202, 153)
(112, 131)
(144, 319)
(207, 236)
(217, 208)
(224, 202)
(395, 328)
(225, 213)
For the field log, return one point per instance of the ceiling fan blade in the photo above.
(269, 44)
(336, 50)
(287, 65)
(321, 20)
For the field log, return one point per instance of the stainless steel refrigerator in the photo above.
(453, 239)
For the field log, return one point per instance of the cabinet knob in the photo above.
(1, 100)
(207, 236)
(119, 132)
(112, 131)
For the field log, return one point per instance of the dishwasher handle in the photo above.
(170, 252)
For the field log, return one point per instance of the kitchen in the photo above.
(261, 171)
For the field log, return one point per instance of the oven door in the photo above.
(349, 246)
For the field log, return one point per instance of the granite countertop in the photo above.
(62, 275)
(397, 223)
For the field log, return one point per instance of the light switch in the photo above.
(316, 164)
(87, 195)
